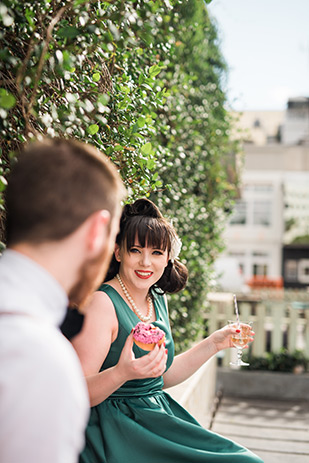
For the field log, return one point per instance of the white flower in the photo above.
(175, 247)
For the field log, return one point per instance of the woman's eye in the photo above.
(158, 253)
(134, 250)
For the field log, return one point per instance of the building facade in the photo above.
(273, 210)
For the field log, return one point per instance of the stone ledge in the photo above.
(263, 384)
(197, 393)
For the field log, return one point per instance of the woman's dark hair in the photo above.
(144, 220)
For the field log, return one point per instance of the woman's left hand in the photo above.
(221, 339)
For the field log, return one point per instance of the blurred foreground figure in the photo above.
(63, 208)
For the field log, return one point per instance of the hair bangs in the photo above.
(149, 231)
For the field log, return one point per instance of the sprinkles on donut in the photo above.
(146, 336)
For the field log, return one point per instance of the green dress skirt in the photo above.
(141, 423)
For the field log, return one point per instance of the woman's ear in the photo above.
(117, 253)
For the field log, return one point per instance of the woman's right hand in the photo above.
(151, 365)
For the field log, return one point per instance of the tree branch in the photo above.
(49, 32)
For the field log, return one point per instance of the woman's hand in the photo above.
(151, 365)
(221, 339)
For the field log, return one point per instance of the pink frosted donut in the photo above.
(146, 336)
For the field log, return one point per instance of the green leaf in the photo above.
(122, 104)
(68, 32)
(29, 16)
(141, 122)
(118, 148)
(154, 70)
(3, 183)
(141, 162)
(93, 129)
(7, 100)
(147, 148)
(96, 77)
(103, 99)
(150, 164)
(148, 87)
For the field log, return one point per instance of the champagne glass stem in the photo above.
(239, 356)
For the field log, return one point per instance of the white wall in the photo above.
(295, 128)
(255, 243)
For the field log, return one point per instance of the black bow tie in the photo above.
(72, 324)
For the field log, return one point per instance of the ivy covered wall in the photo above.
(143, 82)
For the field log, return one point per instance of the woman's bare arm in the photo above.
(92, 345)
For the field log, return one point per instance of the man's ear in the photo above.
(117, 253)
(98, 230)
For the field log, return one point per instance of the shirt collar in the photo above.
(26, 287)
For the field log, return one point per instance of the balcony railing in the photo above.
(280, 319)
(261, 282)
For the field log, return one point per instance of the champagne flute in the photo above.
(240, 340)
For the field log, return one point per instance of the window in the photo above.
(262, 213)
(237, 254)
(303, 271)
(290, 270)
(260, 270)
(261, 261)
(239, 215)
(259, 188)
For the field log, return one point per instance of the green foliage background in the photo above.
(278, 361)
(142, 81)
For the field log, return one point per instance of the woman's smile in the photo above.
(143, 274)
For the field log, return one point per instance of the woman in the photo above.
(132, 419)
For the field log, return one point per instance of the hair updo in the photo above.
(142, 219)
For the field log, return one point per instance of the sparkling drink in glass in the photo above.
(240, 340)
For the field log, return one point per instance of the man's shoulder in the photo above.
(38, 344)
(41, 372)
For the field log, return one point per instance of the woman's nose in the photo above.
(145, 258)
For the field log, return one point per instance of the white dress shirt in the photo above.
(44, 403)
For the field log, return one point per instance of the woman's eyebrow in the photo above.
(139, 246)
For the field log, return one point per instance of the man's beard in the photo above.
(91, 275)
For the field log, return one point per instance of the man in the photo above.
(63, 208)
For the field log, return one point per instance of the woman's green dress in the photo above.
(141, 423)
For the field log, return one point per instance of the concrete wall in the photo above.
(263, 384)
(197, 393)
(277, 157)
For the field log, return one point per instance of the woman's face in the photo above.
(141, 267)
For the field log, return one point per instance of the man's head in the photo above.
(54, 188)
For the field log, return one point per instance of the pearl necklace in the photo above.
(135, 309)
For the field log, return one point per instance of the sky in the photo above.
(266, 46)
